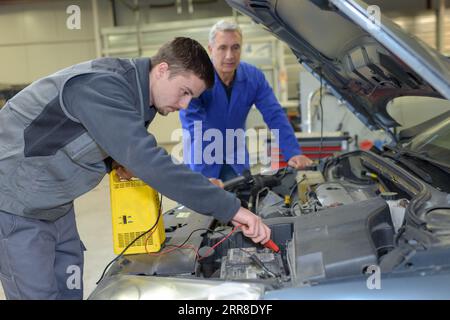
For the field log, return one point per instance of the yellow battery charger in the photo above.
(135, 209)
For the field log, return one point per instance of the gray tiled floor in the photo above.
(94, 225)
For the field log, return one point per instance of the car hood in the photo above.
(362, 57)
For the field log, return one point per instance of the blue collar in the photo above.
(239, 77)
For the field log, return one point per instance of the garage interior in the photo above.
(37, 39)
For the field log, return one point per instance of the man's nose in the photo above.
(184, 102)
(229, 54)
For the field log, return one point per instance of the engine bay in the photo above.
(334, 223)
(329, 224)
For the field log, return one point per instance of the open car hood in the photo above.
(364, 58)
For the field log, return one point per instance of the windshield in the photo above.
(410, 111)
(433, 143)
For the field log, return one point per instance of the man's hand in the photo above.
(300, 161)
(217, 182)
(122, 172)
(252, 226)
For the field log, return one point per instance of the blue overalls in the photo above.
(216, 112)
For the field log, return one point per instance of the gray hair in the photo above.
(223, 25)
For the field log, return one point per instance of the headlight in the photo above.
(130, 287)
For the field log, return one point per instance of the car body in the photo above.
(362, 225)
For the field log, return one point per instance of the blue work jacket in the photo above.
(216, 112)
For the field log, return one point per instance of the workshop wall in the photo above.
(35, 40)
(167, 10)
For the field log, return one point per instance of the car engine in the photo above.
(330, 223)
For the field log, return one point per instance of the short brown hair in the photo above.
(185, 54)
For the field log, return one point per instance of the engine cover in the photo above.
(340, 242)
(340, 192)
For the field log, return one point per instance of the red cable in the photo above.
(173, 249)
(214, 246)
(188, 246)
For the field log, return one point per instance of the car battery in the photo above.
(135, 209)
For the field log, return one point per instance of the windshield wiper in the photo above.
(423, 155)
(411, 166)
(399, 156)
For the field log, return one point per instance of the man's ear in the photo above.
(161, 69)
(209, 49)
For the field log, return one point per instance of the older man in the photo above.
(238, 85)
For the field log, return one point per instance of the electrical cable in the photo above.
(218, 243)
(253, 257)
(173, 249)
(257, 196)
(132, 242)
(284, 172)
(183, 246)
(296, 203)
(291, 193)
(379, 84)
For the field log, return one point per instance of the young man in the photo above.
(57, 137)
(238, 85)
